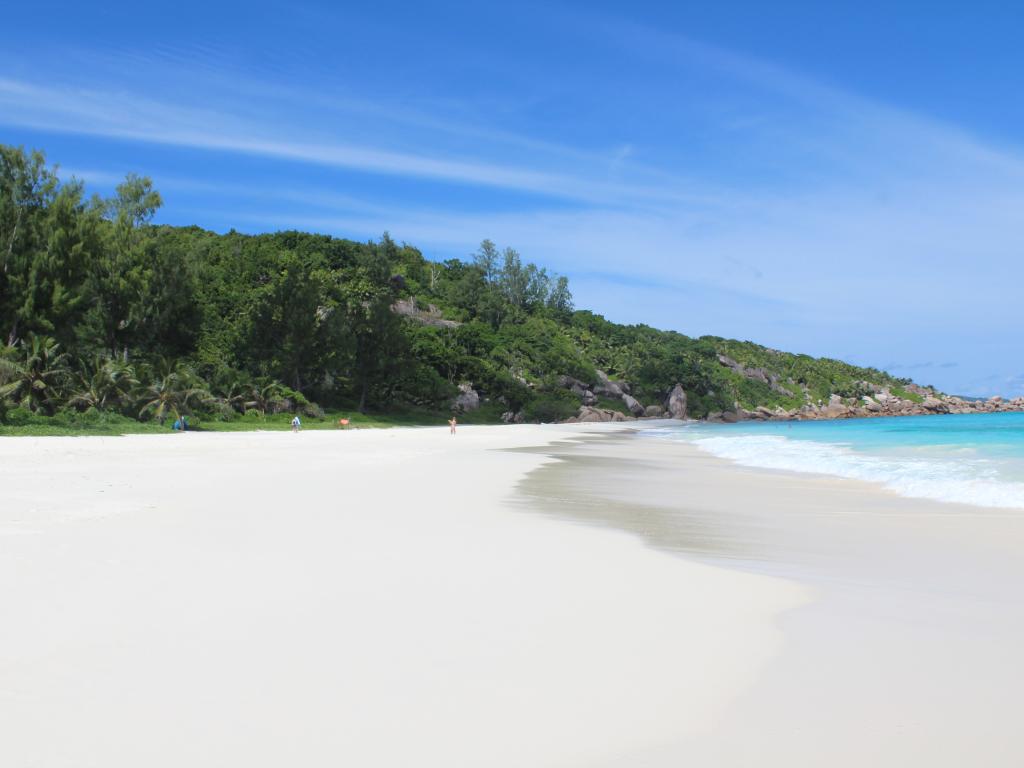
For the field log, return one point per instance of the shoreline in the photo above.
(908, 653)
(402, 420)
(916, 469)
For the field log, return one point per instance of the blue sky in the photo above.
(842, 179)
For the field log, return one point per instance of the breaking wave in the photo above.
(953, 479)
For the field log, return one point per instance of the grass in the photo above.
(70, 424)
(283, 421)
(76, 424)
(905, 395)
(613, 404)
(397, 417)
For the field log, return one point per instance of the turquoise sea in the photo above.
(975, 459)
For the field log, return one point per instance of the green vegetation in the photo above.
(904, 394)
(111, 324)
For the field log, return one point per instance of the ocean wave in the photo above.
(974, 482)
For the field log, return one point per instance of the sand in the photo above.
(565, 595)
(909, 653)
(371, 598)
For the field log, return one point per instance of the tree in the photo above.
(103, 383)
(560, 298)
(439, 348)
(514, 279)
(538, 286)
(486, 260)
(10, 375)
(293, 311)
(175, 391)
(55, 301)
(264, 395)
(133, 207)
(38, 378)
(120, 277)
(27, 188)
(168, 314)
(378, 339)
(380, 346)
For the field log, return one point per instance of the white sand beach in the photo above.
(513, 596)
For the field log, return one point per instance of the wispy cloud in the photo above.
(120, 115)
(918, 366)
(820, 100)
(91, 176)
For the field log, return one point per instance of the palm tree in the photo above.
(264, 395)
(625, 361)
(10, 374)
(35, 381)
(174, 391)
(233, 390)
(103, 383)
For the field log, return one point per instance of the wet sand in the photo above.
(909, 653)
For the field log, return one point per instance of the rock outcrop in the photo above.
(609, 388)
(590, 414)
(882, 403)
(579, 388)
(618, 390)
(912, 400)
(934, 405)
(431, 315)
(871, 405)
(757, 374)
(568, 382)
(634, 405)
(675, 403)
(468, 399)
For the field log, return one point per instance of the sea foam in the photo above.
(957, 480)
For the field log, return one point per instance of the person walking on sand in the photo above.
(296, 424)
(452, 423)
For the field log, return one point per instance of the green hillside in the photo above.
(107, 319)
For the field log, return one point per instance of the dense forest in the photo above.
(104, 313)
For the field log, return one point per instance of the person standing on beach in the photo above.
(452, 423)
(296, 424)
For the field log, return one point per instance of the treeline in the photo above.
(99, 308)
(103, 311)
